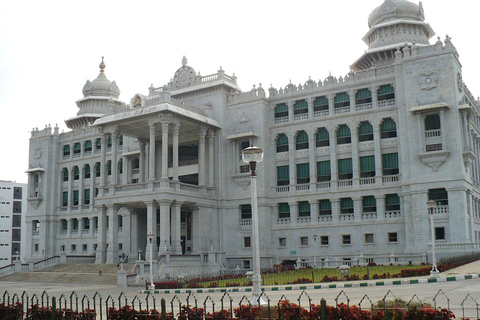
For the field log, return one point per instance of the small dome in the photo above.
(101, 86)
(396, 10)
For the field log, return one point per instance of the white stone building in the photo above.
(349, 161)
(13, 204)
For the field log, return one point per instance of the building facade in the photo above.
(349, 164)
(13, 203)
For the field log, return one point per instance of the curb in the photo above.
(319, 286)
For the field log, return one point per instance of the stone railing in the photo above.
(363, 106)
(323, 185)
(283, 221)
(283, 189)
(324, 218)
(369, 215)
(456, 247)
(433, 133)
(46, 263)
(301, 116)
(390, 179)
(303, 187)
(7, 270)
(320, 113)
(393, 214)
(304, 220)
(281, 120)
(443, 209)
(386, 103)
(342, 110)
(245, 222)
(345, 183)
(364, 181)
(346, 217)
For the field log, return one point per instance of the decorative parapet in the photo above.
(165, 97)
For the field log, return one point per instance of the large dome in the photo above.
(101, 86)
(396, 10)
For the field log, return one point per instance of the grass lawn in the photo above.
(314, 275)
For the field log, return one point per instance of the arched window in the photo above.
(385, 92)
(65, 174)
(120, 140)
(77, 148)
(87, 171)
(97, 169)
(88, 146)
(320, 103)
(388, 128)
(300, 106)
(322, 138)
(341, 100)
(76, 173)
(365, 131)
(343, 134)
(363, 96)
(98, 144)
(66, 150)
(432, 122)
(282, 143)
(281, 110)
(301, 140)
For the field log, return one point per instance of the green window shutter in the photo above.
(98, 143)
(322, 134)
(64, 224)
(65, 196)
(282, 140)
(369, 201)
(302, 137)
(346, 203)
(392, 199)
(323, 168)
(437, 194)
(86, 194)
(281, 107)
(65, 174)
(386, 89)
(388, 125)
(320, 101)
(367, 163)
(390, 161)
(77, 147)
(88, 144)
(363, 93)
(300, 104)
(97, 168)
(325, 205)
(341, 97)
(365, 128)
(283, 173)
(75, 195)
(303, 170)
(343, 131)
(345, 166)
(284, 208)
(87, 169)
(303, 206)
(76, 172)
(245, 144)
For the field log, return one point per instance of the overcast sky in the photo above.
(48, 49)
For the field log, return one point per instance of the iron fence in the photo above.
(148, 306)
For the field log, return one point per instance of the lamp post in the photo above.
(430, 205)
(314, 251)
(252, 155)
(150, 240)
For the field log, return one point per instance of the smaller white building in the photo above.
(12, 221)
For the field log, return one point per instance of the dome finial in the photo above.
(102, 66)
(184, 61)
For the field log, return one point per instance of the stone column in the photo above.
(176, 132)
(466, 146)
(176, 246)
(127, 170)
(374, 92)
(92, 185)
(311, 158)
(201, 156)
(444, 130)
(314, 211)
(333, 154)
(164, 245)
(113, 179)
(151, 161)
(165, 124)
(103, 161)
(72, 146)
(353, 102)
(331, 105)
(133, 233)
(291, 160)
(211, 137)
(421, 134)
(380, 199)
(112, 252)
(141, 160)
(355, 160)
(70, 189)
(293, 212)
(335, 209)
(377, 149)
(290, 111)
(310, 107)
(357, 208)
(151, 227)
(101, 235)
(80, 186)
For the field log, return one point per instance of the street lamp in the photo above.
(430, 205)
(314, 251)
(252, 155)
(150, 239)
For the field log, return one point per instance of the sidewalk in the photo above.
(465, 272)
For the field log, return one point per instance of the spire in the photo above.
(102, 66)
